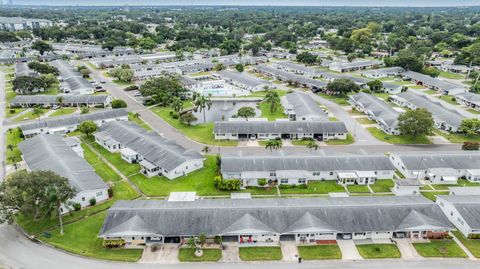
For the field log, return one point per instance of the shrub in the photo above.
(131, 88)
(262, 182)
(287, 186)
(366, 90)
(470, 145)
(92, 201)
(217, 239)
(226, 185)
(474, 236)
(113, 243)
(12, 111)
(77, 206)
(110, 192)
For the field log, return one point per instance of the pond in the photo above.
(224, 109)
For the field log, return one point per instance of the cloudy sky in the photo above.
(257, 2)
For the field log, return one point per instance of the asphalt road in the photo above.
(16, 251)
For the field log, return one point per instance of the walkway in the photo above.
(407, 250)
(349, 250)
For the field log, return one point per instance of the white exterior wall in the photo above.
(83, 198)
(183, 169)
(312, 237)
(454, 216)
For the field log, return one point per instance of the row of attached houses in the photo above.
(291, 78)
(114, 61)
(383, 72)
(377, 110)
(22, 69)
(301, 169)
(99, 100)
(354, 66)
(53, 153)
(245, 81)
(250, 222)
(469, 99)
(463, 211)
(438, 167)
(71, 81)
(155, 154)
(67, 124)
(299, 69)
(362, 82)
(300, 106)
(264, 130)
(444, 87)
(88, 50)
(444, 118)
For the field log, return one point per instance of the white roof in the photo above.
(366, 174)
(347, 175)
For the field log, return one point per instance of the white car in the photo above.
(137, 94)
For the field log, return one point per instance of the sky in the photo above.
(412, 3)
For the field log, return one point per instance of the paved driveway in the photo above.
(231, 252)
(162, 254)
(407, 250)
(289, 251)
(349, 250)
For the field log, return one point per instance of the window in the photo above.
(273, 174)
(83, 199)
(284, 181)
(99, 193)
(331, 173)
(316, 173)
(302, 180)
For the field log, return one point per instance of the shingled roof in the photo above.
(280, 216)
(283, 127)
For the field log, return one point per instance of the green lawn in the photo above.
(418, 87)
(30, 116)
(260, 253)
(101, 168)
(365, 120)
(382, 185)
(302, 142)
(81, 238)
(440, 248)
(122, 83)
(139, 121)
(473, 111)
(271, 116)
(450, 75)
(209, 255)
(431, 194)
(334, 142)
(460, 182)
(318, 187)
(378, 251)
(397, 139)
(63, 111)
(13, 138)
(458, 138)
(358, 188)
(427, 91)
(355, 112)
(202, 133)
(341, 100)
(263, 93)
(472, 244)
(449, 99)
(320, 252)
(14, 111)
(382, 95)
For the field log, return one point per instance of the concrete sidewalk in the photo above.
(349, 250)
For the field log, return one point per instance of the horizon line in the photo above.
(238, 5)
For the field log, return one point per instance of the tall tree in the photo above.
(246, 112)
(273, 144)
(203, 103)
(87, 127)
(418, 122)
(42, 46)
(273, 99)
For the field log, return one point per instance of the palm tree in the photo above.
(203, 103)
(136, 115)
(206, 149)
(312, 145)
(56, 196)
(177, 105)
(273, 144)
(60, 100)
(273, 99)
(37, 112)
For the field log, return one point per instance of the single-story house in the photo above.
(298, 69)
(301, 169)
(52, 153)
(263, 130)
(469, 99)
(444, 87)
(463, 211)
(67, 124)
(22, 70)
(251, 222)
(244, 81)
(410, 186)
(290, 78)
(155, 154)
(377, 110)
(443, 117)
(436, 165)
(383, 72)
(353, 66)
(300, 106)
(100, 100)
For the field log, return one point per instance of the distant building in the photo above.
(18, 23)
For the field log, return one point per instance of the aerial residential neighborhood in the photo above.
(237, 134)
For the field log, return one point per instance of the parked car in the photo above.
(137, 94)
(55, 107)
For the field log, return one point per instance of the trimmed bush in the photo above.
(77, 206)
(113, 243)
(92, 201)
(226, 185)
(262, 182)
